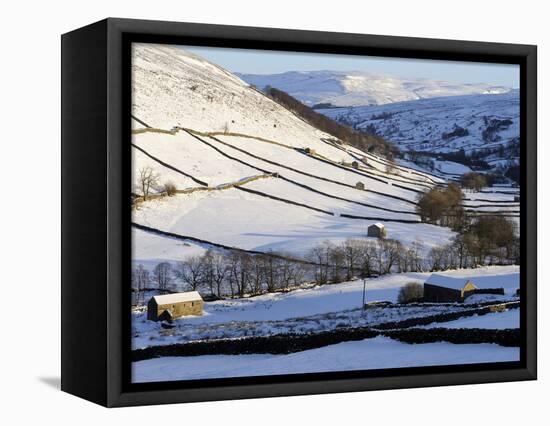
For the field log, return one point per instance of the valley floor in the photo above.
(324, 309)
(376, 353)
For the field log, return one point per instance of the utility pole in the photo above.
(364, 293)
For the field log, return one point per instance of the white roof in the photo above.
(378, 225)
(457, 283)
(187, 296)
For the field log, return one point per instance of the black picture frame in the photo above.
(96, 211)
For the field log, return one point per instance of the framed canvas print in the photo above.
(252, 212)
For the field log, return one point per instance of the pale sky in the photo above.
(250, 61)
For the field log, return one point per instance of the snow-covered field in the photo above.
(376, 353)
(495, 320)
(151, 249)
(252, 222)
(317, 309)
(308, 310)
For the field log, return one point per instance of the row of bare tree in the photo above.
(236, 274)
(224, 274)
(362, 258)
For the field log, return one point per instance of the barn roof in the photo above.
(378, 225)
(188, 296)
(440, 280)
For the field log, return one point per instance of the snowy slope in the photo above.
(255, 186)
(243, 172)
(355, 88)
(253, 222)
(472, 123)
(172, 87)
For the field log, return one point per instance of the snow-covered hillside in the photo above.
(172, 87)
(311, 194)
(356, 88)
(250, 174)
(486, 124)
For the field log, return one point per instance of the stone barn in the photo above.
(171, 306)
(377, 230)
(360, 185)
(443, 289)
(355, 164)
(310, 151)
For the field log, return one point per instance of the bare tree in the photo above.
(291, 273)
(417, 250)
(239, 273)
(389, 254)
(215, 271)
(256, 274)
(368, 257)
(337, 261)
(320, 255)
(219, 272)
(352, 255)
(271, 271)
(191, 271)
(148, 180)
(286, 273)
(140, 281)
(162, 275)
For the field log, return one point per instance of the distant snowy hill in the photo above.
(482, 124)
(362, 88)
